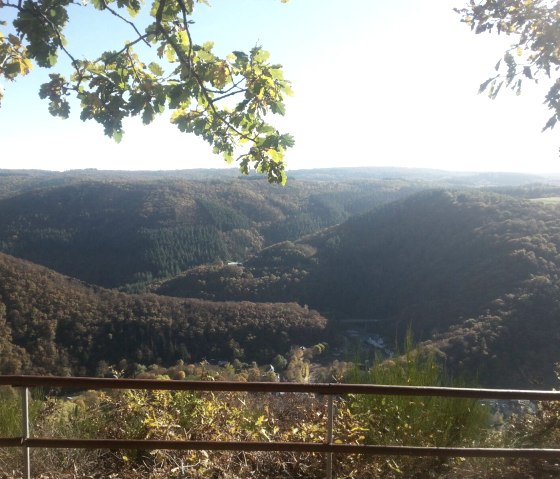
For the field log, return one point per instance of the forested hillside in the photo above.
(132, 228)
(474, 272)
(514, 343)
(430, 261)
(436, 254)
(54, 324)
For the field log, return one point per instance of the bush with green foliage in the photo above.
(411, 420)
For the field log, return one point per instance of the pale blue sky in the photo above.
(377, 82)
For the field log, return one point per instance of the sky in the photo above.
(377, 83)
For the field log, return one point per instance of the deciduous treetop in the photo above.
(223, 100)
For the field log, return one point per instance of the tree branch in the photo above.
(203, 88)
(38, 12)
(118, 15)
(125, 48)
(229, 94)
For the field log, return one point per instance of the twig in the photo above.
(118, 15)
(237, 92)
(125, 48)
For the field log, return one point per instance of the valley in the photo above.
(153, 268)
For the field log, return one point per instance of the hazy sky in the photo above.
(377, 82)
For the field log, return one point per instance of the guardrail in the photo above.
(328, 447)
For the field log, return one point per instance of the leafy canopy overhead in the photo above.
(535, 52)
(223, 100)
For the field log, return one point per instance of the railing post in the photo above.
(330, 420)
(25, 432)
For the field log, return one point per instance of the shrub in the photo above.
(410, 420)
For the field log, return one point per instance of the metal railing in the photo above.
(26, 442)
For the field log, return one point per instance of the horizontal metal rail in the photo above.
(25, 442)
(270, 387)
(146, 444)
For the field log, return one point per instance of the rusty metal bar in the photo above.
(292, 447)
(330, 388)
(11, 441)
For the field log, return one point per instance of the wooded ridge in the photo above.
(473, 271)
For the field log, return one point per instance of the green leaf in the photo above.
(117, 135)
(183, 38)
(278, 108)
(51, 59)
(11, 70)
(228, 157)
(241, 57)
(98, 4)
(155, 69)
(132, 10)
(287, 90)
(283, 174)
(287, 140)
(148, 115)
(15, 41)
(170, 54)
(205, 56)
(260, 55)
(276, 73)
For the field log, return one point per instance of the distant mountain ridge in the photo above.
(441, 177)
(16, 181)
